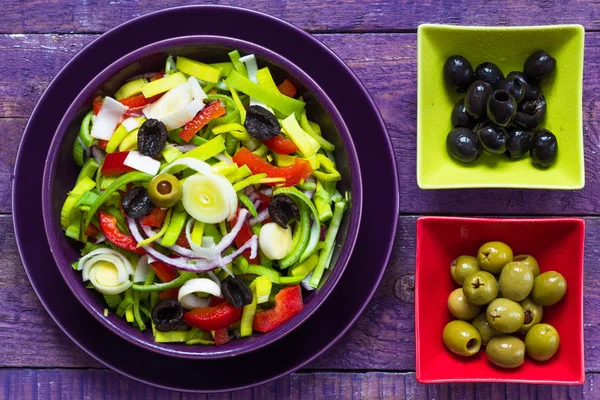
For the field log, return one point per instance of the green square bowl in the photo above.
(508, 47)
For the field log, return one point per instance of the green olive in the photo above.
(460, 307)
(480, 288)
(548, 288)
(164, 190)
(484, 328)
(533, 313)
(530, 261)
(506, 351)
(493, 256)
(516, 281)
(541, 342)
(461, 338)
(462, 267)
(505, 315)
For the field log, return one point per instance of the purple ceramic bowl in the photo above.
(60, 173)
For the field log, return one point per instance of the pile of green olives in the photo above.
(500, 115)
(503, 296)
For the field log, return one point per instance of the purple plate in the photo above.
(376, 234)
(60, 174)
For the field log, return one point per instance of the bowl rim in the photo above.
(576, 221)
(424, 183)
(54, 233)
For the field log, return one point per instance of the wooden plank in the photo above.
(12, 130)
(386, 328)
(386, 65)
(371, 15)
(100, 383)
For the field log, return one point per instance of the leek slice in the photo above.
(331, 174)
(129, 142)
(306, 143)
(251, 180)
(313, 241)
(131, 88)
(170, 153)
(308, 128)
(282, 160)
(199, 341)
(177, 282)
(231, 144)
(271, 98)
(241, 173)
(197, 232)
(116, 139)
(248, 203)
(84, 185)
(125, 304)
(171, 337)
(208, 149)
(74, 229)
(197, 69)
(176, 224)
(325, 256)
(236, 130)
(238, 103)
(121, 181)
(303, 235)
(248, 313)
(264, 79)
(209, 198)
(84, 130)
(163, 84)
(239, 66)
(322, 200)
(225, 67)
(261, 151)
(263, 288)
(136, 311)
(305, 267)
(78, 152)
(290, 280)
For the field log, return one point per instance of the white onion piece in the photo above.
(182, 116)
(253, 196)
(91, 254)
(172, 101)
(141, 269)
(206, 253)
(305, 282)
(257, 204)
(230, 237)
(208, 241)
(199, 285)
(214, 277)
(196, 89)
(223, 157)
(184, 148)
(130, 124)
(193, 163)
(100, 238)
(268, 191)
(108, 118)
(191, 301)
(251, 66)
(263, 215)
(309, 193)
(123, 275)
(142, 163)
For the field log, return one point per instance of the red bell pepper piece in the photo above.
(158, 75)
(91, 231)
(242, 237)
(182, 240)
(154, 218)
(293, 174)
(166, 274)
(97, 103)
(288, 302)
(264, 201)
(287, 88)
(102, 143)
(211, 111)
(212, 318)
(114, 164)
(221, 336)
(108, 224)
(281, 145)
(139, 100)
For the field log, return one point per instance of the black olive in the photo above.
(463, 145)
(261, 123)
(539, 65)
(136, 202)
(476, 98)
(167, 315)
(544, 148)
(501, 107)
(532, 90)
(282, 209)
(152, 138)
(492, 137)
(236, 291)
(518, 142)
(531, 112)
(458, 72)
(459, 116)
(514, 87)
(490, 73)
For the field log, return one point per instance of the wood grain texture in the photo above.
(381, 339)
(94, 384)
(386, 65)
(338, 15)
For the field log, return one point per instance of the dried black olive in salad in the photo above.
(136, 202)
(152, 138)
(167, 315)
(236, 291)
(261, 123)
(282, 209)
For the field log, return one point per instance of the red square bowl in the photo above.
(557, 244)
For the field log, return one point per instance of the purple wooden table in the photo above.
(378, 40)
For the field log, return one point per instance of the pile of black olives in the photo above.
(500, 114)
(514, 293)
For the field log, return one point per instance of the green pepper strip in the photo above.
(123, 180)
(325, 255)
(302, 239)
(149, 280)
(246, 201)
(178, 282)
(84, 130)
(136, 311)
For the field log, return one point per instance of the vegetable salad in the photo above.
(206, 201)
